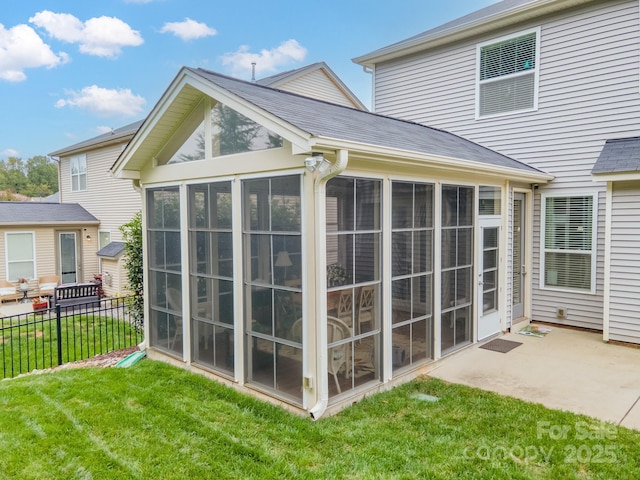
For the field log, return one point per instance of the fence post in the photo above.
(59, 333)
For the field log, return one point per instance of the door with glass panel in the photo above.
(488, 277)
(68, 257)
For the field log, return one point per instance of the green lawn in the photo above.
(157, 421)
(29, 342)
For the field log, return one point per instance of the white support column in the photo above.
(239, 324)
(386, 331)
(607, 262)
(184, 271)
(437, 270)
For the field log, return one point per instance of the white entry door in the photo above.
(488, 277)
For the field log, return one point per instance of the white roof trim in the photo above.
(490, 23)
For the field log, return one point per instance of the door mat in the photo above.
(500, 345)
(535, 330)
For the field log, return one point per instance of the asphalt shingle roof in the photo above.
(12, 213)
(111, 250)
(126, 130)
(324, 119)
(618, 156)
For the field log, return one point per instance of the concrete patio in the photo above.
(15, 308)
(567, 369)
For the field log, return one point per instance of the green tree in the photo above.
(12, 176)
(38, 177)
(132, 236)
(235, 131)
(42, 177)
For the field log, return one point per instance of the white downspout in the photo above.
(321, 280)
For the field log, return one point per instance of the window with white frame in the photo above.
(78, 166)
(508, 74)
(20, 255)
(569, 242)
(104, 238)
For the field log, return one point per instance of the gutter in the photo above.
(321, 286)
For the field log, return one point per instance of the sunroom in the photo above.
(310, 253)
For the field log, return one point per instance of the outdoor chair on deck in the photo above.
(8, 291)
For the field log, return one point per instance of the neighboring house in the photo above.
(554, 84)
(84, 178)
(84, 169)
(316, 80)
(40, 239)
(309, 252)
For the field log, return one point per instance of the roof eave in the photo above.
(482, 25)
(78, 148)
(47, 223)
(616, 176)
(413, 158)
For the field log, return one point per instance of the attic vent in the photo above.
(507, 75)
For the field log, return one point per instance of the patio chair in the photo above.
(47, 285)
(345, 306)
(366, 307)
(338, 356)
(8, 291)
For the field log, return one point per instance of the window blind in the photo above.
(568, 244)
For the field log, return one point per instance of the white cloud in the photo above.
(99, 36)
(267, 61)
(20, 48)
(103, 101)
(188, 29)
(9, 152)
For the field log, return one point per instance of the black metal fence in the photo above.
(51, 337)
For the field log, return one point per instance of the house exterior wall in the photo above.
(624, 300)
(588, 92)
(113, 201)
(317, 84)
(46, 251)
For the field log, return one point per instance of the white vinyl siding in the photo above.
(78, 168)
(588, 92)
(508, 74)
(113, 201)
(568, 242)
(317, 84)
(624, 323)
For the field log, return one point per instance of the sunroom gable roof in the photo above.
(306, 122)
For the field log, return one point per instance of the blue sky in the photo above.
(71, 70)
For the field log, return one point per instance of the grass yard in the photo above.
(157, 421)
(29, 342)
